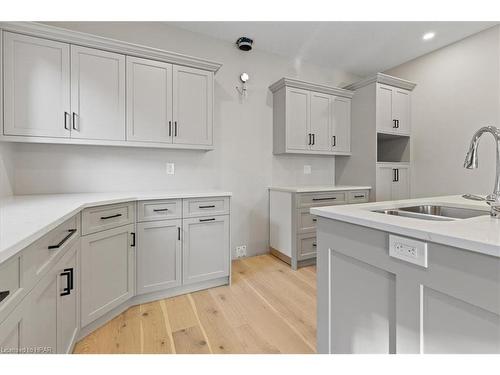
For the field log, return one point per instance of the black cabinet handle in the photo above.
(68, 273)
(63, 241)
(160, 209)
(314, 138)
(309, 135)
(314, 244)
(170, 128)
(74, 122)
(175, 128)
(179, 233)
(209, 206)
(133, 239)
(4, 294)
(314, 220)
(395, 177)
(334, 141)
(66, 125)
(324, 199)
(110, 217)
(359, 196)
(203, 220)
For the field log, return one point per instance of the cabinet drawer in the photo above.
(96, 219)
(197, 207)
(306, 246)
(358, 196)
(320, 199)
(306, 222)
(159, 210)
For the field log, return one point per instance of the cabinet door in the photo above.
(401, 187)
(384, 108)
(306, 246)
(97, 94)
(68, 300)
(205, 248)
(107, 271)
(149, 100)
(401, 109)
(192, 106)
(36, 86)
(297, 119)
(11, 331)
(158, 255)
(385, 177)
(320, 121)
(341, 125)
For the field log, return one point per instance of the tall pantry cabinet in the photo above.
(381, 138)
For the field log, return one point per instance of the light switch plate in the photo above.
(170, 168)
(408, 250)
(307, 169)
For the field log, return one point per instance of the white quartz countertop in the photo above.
(317, 188)
(480, 234)
(26, 218)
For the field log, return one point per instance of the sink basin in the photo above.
(434, 212)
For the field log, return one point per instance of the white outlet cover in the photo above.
(408, 250)
(307, 169)
(170, 168)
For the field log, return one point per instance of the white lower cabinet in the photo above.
(107, 271)
(205, 248)
(159, 255)
(393, 182)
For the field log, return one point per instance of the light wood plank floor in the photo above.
(268, 309)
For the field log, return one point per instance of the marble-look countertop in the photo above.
(480, 234)
(317, 188)
(26, 218)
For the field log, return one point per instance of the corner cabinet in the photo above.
(310, 118)
(55, 91)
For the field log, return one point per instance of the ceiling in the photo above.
(361, 48)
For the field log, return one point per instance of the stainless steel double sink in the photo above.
(434, 212)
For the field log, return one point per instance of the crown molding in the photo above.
(112, 45)
(291, 82)
(385, 79)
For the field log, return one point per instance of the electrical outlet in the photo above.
(241, 251)
(307, 169)
(408, 249)
(170, 168)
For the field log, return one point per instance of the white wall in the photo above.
(6, 169)
(242, 161)
(457, 92)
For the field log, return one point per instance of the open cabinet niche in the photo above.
(392, 148)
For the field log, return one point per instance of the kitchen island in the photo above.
(392, 279)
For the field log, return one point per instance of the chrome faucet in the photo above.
(471, 163)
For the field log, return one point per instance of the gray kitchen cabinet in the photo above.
(149, 100)
(393, 181)
(159, 255)
(36, 76)
(97, 94)
(393, 109)
(292, 228)
(107, 271)
(192, 106)
(310, 119)
(205, 248)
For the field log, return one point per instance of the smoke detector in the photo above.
(244, 43)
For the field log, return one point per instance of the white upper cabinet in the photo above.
(297, 115)
(57, 92)
(149, 100)
(341, 125)
(393, 109)
(192, 106)
(36, 76)
(310, 118)
(97, 94)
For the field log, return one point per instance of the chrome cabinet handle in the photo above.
(75, 116)
(110, 217)
(66, 122)
(4, 294)
(63, 241)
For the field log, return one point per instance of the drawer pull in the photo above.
(210, 206)
(4, 295)
(68, 272)
(160, 209)
(324, 199)
(68, 236)
(359, 196)
(133, 239)
(110, 217)
(203, 220)
(314, 244)
(314, 220)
